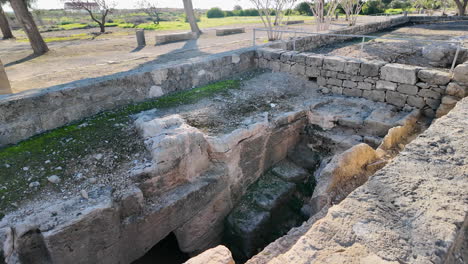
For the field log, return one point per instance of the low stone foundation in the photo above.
(174, 37)
(229, 31)
(403, 86)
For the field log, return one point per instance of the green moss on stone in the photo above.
(56, 151)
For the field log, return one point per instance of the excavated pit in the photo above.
(240, 168)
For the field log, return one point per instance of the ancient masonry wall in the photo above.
(404, 86)
(25, 114)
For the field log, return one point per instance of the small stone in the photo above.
(34, 184)
(273, 105)
(47, 162)
(98, 156)
(84, 194)
(92, 180)
(54, 179)
(58, 168)
(25, 168)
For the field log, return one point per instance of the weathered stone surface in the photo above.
(415, 101)
(450, 100)
(217, 255)
(349, 84)
(365, 86)
(305, 157)
(460, 73)
(229, 31)
(174, 37)
(433, 103)
(352, 67)
(343, 171)
(400, 73)
(386, 85)
(352, 92)
(396, 98)
(408, 89)
(374, 95)
(290, 172)
(337, 90)
(333, 81)
(312, 71)
(322, 81)
(371, 68)
(333, 63)
(444, 109)
(352, 231)
(434, 76)
(457, 90)
(314, 60)
(429, 93)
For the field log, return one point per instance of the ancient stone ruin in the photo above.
(260, 155)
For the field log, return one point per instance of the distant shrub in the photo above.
(304, 9)
(373, 7)
(229, 13)
(251, 12)
(215, 12)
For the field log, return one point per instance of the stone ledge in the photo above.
(175, 37)
(229, 31)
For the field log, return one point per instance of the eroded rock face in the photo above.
(217, 255)
(391, 218)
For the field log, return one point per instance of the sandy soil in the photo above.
(70, 61)
(400, 51)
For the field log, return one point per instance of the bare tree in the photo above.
(188, 7)
(91, 6)
(26, 20)
(461, 5)
(150, 8)
(272, 14)
(322, 18)
(4, 25)
(352, 9)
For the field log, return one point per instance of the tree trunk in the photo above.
(461, 6)
(4, 25)
(103, 28)
(26, 20)
(191, 16)
(5, 87)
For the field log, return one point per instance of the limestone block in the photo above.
(131, 203)
(352, 92)
(371, 68)
(460, 73)
(175, 37)
(450, 100)
(407, 89)
(429, 93)
(444, 109)
(400, 73)
(374, 95)
(299, 58)
(356, 78)
(352, 67)
(334, 63)
(434, 76)
(329, 74)
(335, 178)
(422, 85)
(229, 31)
(415, 101)
(217, 255)
(321, 81)
(396, 98)
(333, 81)
(433, 103)
(314, 60)
(365, 86)
(457, 90)
(285, 67)
(386, 85)
(312, 71)
(287, 56)
(298, 69)
(349, 84)
(290, 172)
(337, 89)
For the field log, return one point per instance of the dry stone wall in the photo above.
(403, 86)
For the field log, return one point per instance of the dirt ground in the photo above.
(405, 52)
(107, 54)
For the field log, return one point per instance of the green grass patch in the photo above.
(58, 39)
(73, 26)
(67, 147)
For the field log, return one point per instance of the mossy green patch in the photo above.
(61, 151)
